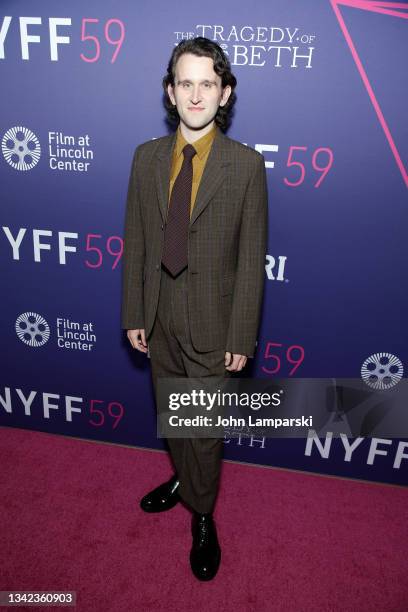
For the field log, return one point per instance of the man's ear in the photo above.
(171, 94)
(226, 92)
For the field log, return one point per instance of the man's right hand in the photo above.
(137, 339)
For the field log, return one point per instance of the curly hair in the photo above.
(202, 47)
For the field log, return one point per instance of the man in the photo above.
(194, 257)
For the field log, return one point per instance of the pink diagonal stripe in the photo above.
(374, 6)
(377, 7)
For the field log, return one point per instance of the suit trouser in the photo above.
(197, 460)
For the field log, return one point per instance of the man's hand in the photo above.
(234, 362)
(137, 339)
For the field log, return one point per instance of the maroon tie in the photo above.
(178, 216)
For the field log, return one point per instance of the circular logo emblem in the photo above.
(21, 148)
(32, 329)
(382, 371)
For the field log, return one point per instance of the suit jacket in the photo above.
(226, 243)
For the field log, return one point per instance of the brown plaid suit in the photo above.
(222, 286)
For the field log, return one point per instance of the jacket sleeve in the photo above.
(133, 254)
(250, 272)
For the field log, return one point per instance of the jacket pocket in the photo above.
(227, 285)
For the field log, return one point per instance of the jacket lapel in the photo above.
(213, 175)
(211, 180)
(164, 155)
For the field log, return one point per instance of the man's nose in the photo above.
(195, 95)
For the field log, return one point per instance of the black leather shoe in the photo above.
(205, 555)
(162, 498)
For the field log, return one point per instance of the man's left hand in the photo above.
(234, 362)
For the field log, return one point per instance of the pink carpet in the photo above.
(70, 519)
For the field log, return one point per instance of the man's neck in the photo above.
(193, 135)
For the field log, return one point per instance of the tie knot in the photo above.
(189, 152)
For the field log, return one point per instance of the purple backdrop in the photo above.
(321, 93)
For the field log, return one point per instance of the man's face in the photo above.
(197, 91)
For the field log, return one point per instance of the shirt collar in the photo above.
(201, 145)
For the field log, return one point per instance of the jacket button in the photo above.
(157, 267)
(162, 226)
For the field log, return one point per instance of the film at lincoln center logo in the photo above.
(382, 371)
(21, 148)
(32, 329)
